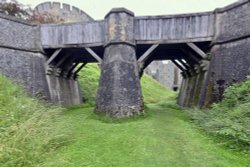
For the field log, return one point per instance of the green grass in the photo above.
(28, 132)
(162, 137)
(35, 134)
(152, 90)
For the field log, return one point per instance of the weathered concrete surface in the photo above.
(232, 22)
(22, 60)
(27, 69)
(231, 53)
(63, 91)
(119, 93)
(230, 64)
(18, 34)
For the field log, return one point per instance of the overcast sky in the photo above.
(99, 8)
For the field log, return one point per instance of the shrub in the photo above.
(230, 119)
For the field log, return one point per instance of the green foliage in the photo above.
(28, 132)
(229, 120)
(235, 95)
(152, 90)
(89, 80)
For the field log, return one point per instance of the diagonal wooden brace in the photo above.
(197, 50)
(92, 53)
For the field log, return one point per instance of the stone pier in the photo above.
(119, 93)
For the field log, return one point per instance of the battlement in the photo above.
(66, 11)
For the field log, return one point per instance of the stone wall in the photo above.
(231, 52)
(19, 34)
(230, 58)
(23, 61)
(25, 68)
(165, 73)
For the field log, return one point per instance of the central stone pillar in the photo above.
(119, 94)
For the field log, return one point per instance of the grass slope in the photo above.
(163, 137)
(152, 90)
(228, 120)
(34, 134)
(28, 130)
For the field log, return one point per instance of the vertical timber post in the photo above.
(119, 94)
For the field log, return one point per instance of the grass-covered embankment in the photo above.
(28, 130)
(163, 136)
(228, 120)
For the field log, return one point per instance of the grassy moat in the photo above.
(36, 134)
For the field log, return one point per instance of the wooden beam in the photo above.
(62, 60)
(185, 64)
(197, 50)
(146, 55)
(92, 53)
(71, 69)
(78, 70)
(193, 57)
(54, 55)
(178, 65)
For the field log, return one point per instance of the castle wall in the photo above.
(231, 52)
(165, 73)
(22, 60)
(63, 11)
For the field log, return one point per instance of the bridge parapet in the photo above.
(185, 28)
(196, 27)
(74, 34)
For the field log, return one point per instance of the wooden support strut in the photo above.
(61, 61)
(193, 57)
(71, 69)
(78, 70)
(197, 50)
(185, 64)
(178, 65)
(92, 53)
(147, 54)
(55, 54)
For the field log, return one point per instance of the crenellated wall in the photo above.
(65, 11)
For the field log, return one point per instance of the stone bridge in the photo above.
(211, 49)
